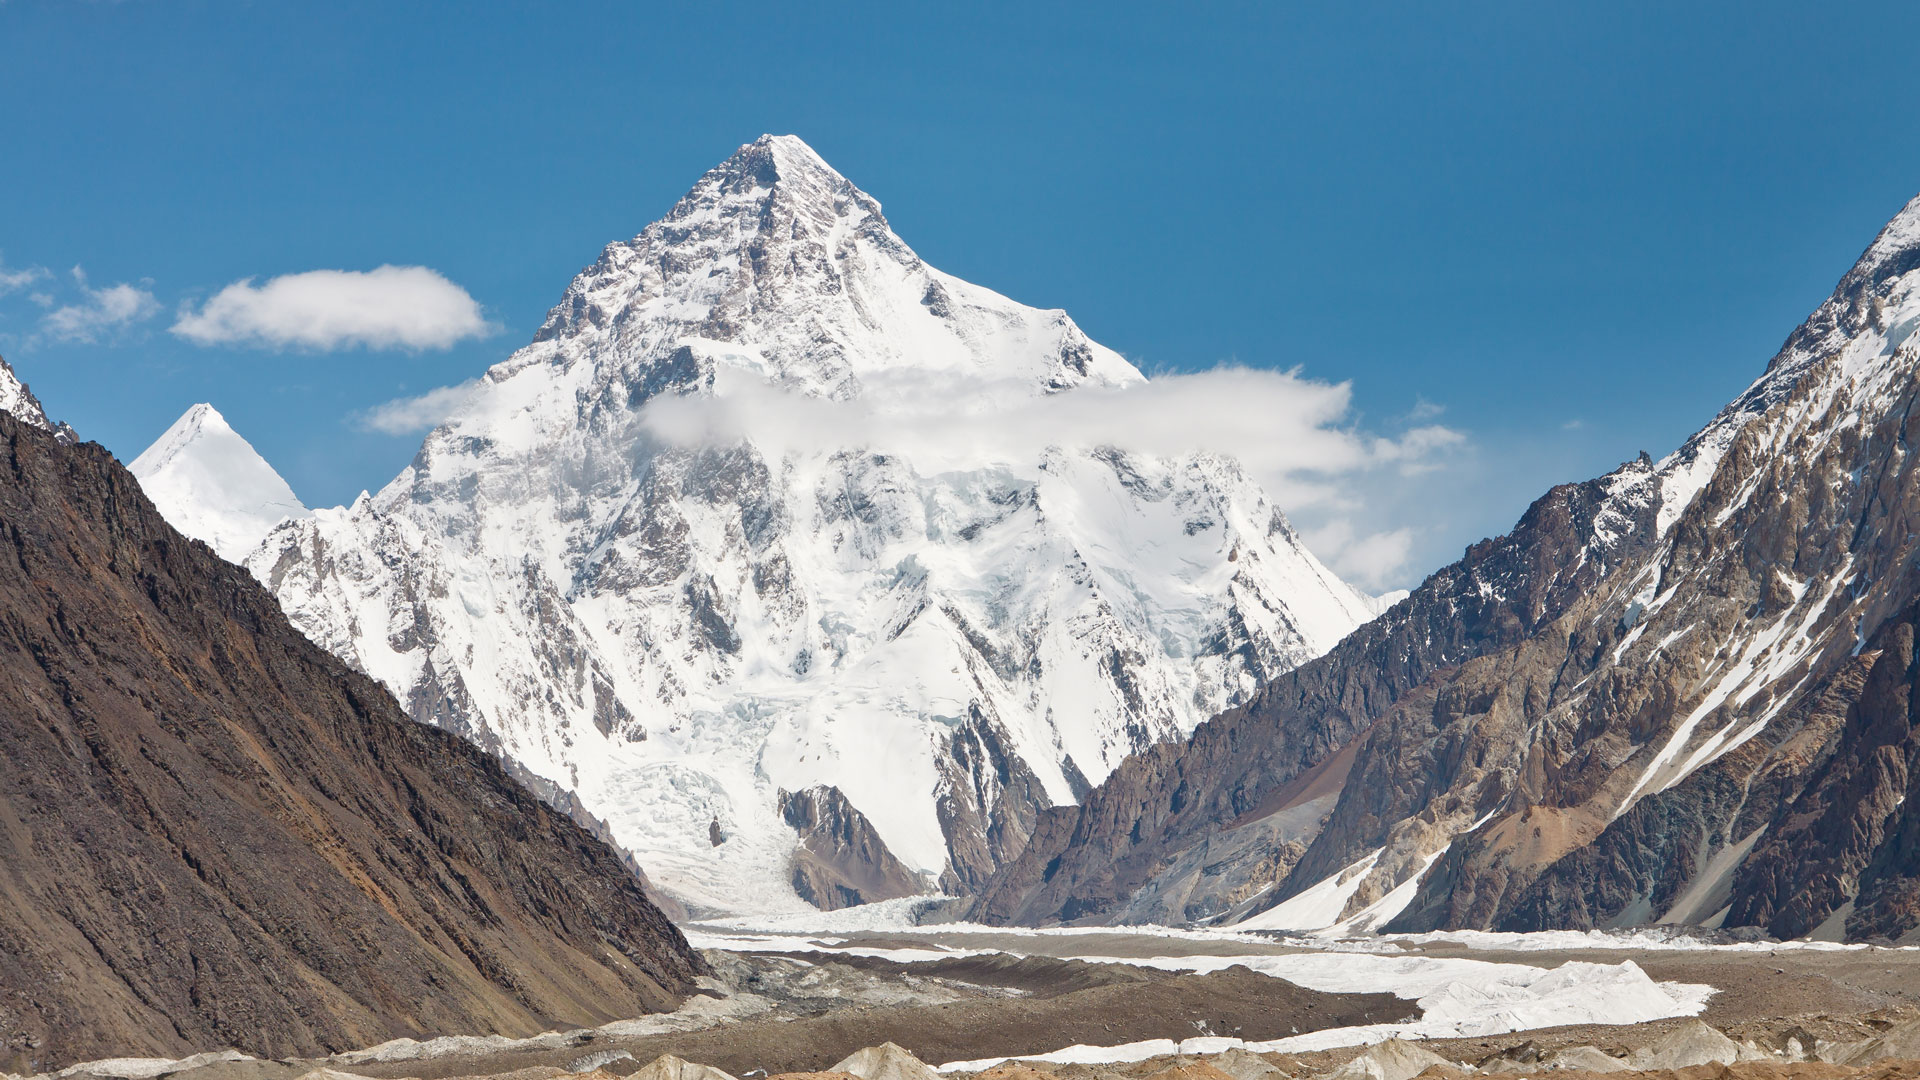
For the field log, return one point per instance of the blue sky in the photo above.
(1569, 235)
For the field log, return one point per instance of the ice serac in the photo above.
(680, 630)
(212, 485)
(1684, 692)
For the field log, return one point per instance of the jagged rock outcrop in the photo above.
(1678, 693)
(213, 833)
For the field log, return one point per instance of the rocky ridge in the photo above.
(213, 833)
(1681, 692)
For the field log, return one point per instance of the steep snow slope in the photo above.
(1681, 692)
(588, 569)
(211, 484)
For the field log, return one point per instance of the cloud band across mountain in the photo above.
(1293, 431)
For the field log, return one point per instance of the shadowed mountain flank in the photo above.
(213, 833)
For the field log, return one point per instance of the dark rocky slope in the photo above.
(1681, 693)
(841, 861)
(213, 833)
(1254, 762)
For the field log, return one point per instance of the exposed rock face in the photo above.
(18, 401)
(678, 629)
(213, 833)
(841, 861)
(1682, 693)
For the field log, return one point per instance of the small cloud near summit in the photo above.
(101, 313)
(389, 307)
(20, 279)
(412, 415)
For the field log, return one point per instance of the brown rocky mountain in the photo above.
(1683, 692)
(841, 861)
(213, 833)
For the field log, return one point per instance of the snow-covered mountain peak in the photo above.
(212, 485)
(776, 254)
(925, 647)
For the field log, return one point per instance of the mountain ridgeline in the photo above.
(1683, 692)
(213, 833)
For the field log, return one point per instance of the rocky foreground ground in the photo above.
(1803, 1014)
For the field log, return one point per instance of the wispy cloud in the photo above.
(101, 313)
(11, 280)
(1373, 561)
(412, 415)
(389, 307)
(1278, 423)
(1424, 410)
(1294, 433)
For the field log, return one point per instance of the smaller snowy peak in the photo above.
(19, 401)
(212, 485)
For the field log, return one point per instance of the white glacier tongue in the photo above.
(212, 485)
(678, 625)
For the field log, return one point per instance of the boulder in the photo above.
(668, 1067)
(886, 1062)
(1191, 1070)
(1586, 1058)
(589, 1062)
(1394, 1059)
(1690, 1044)
(1245, 1065)
(1013, 1070)
(1899, 1041)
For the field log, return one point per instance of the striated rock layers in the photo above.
(213, 833)
(1683, 692)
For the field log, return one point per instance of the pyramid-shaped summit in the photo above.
(212, 485)
(703, 638)
(782, 258)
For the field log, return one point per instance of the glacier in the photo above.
(676, 623)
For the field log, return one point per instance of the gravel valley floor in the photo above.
(1086, 1005)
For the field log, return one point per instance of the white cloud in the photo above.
(20, 279)
(1278, 423)
(1294, 433)
(100, 314)
(1374, 561)
(404, 307)
(411, 415)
